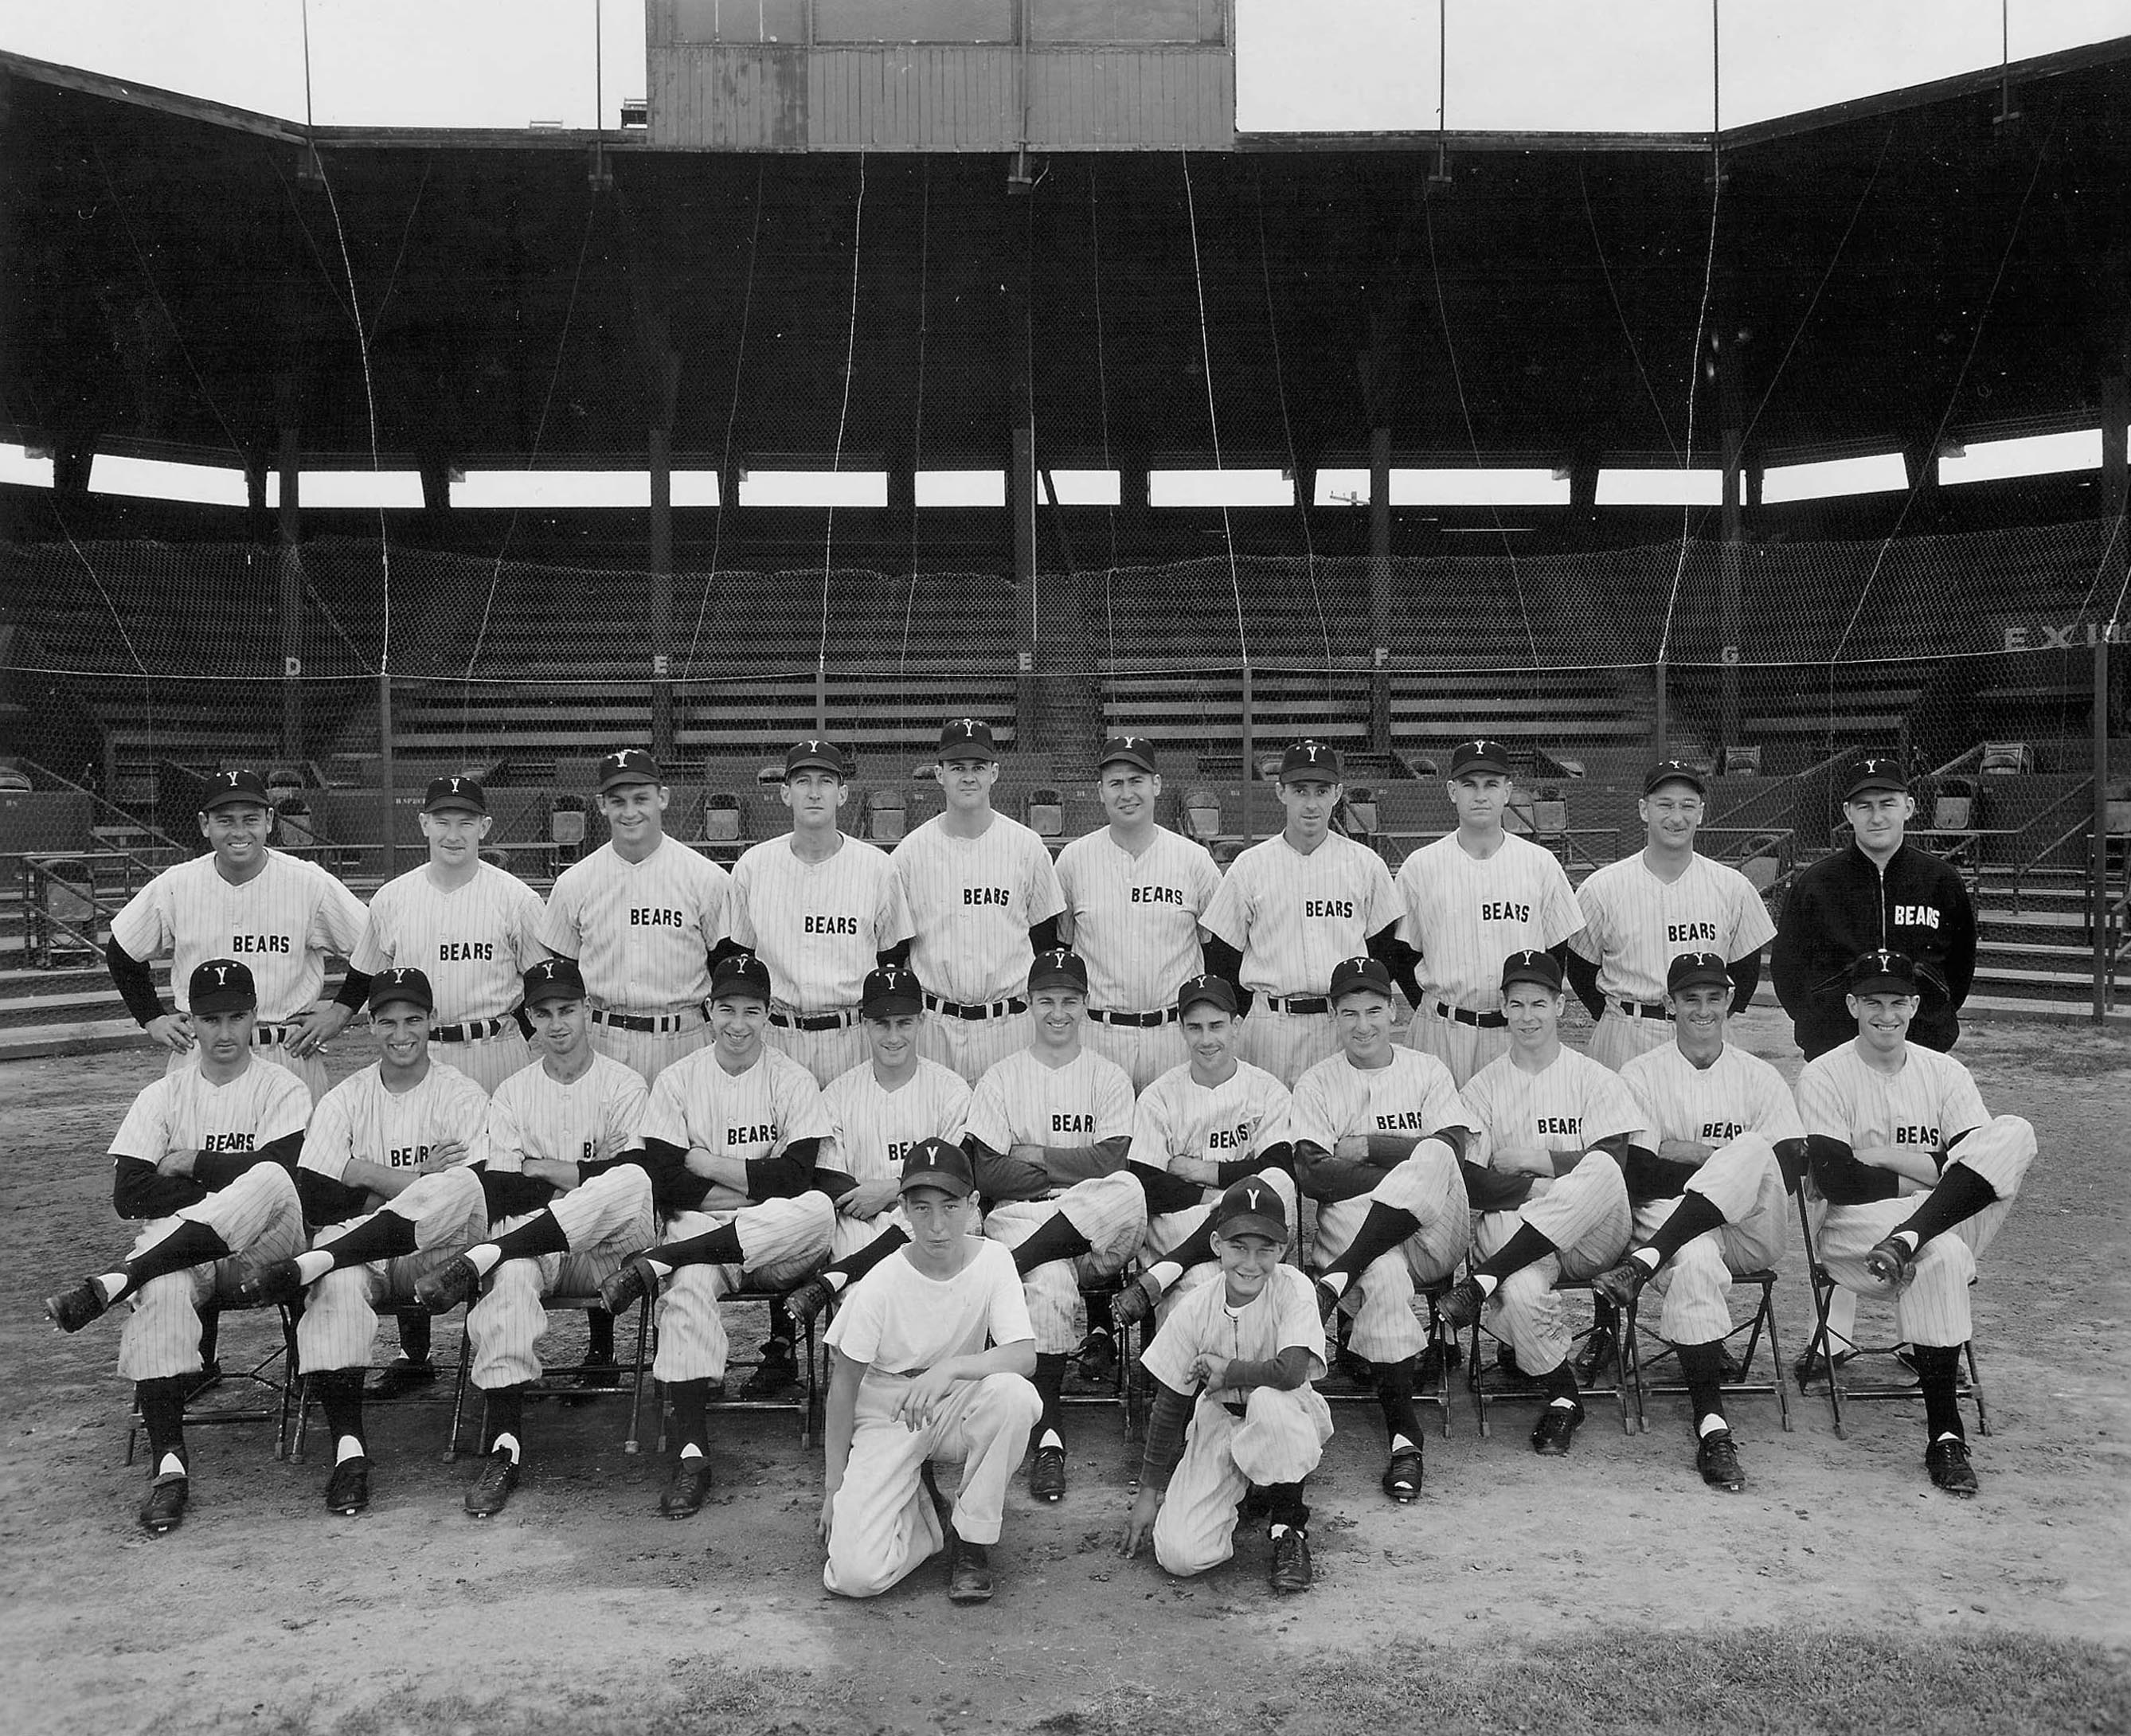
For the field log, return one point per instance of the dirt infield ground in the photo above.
(1605, 1590)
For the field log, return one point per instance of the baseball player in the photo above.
(1290, 908)
(930, 1360)
(279, 916)
(1557, 1116)
(732, 1136)
(1234, 1410)
(1469, 900)
(984, 899)
(1048, 1131)
(204, 1155)
(642, 915)
(1720, 1145)
(1641, 912)
(1134, 893)
(1912, 1178)
(820, 909)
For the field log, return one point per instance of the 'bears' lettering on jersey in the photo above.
(1721, 1131)
(653, 917)
(985, 895)
(1157, 895)
(899, 1149)
(1400, 1121)
(832, 924)
(1231, 1139)
(1925, 1137)
(1063, 1122)
(1678, 931)
(764, 1134)
(407, 1157)
(1561, 1124)
(261, 944)
(1498, 909)
(1915, 915)
(590, 1152)
(226, 1142)
(1341, 908)
(458, 952)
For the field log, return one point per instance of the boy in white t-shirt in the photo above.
(913, 1381)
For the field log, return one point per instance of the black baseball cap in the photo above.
(220, 985)
(1697, 970)
(889, 991)
(1674, 771)
(1206, 990)
(1529, 966)
(388, 987)
(1058, 968)
(1360, 976)
(933, 1162)
(226, 789)
(815, 755)
(1129, 750)
(464, 794)
(554, 979)
(1482, 755)
(1883, 973)
(967, 738)
(628, 766)
(1317, 758)
(1250, 1207)
(742, 974)
(1876, 771)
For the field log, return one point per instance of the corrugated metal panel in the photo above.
(726, 97)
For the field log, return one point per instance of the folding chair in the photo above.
(1763, 1320)
(807, 1404)
(1489, 1389)
(261, 1375)
(1839, 1387)
(553, 1382)
(305, 1399)
(1341, 1386)
(1121, 1393)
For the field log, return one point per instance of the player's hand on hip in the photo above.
(316, 1027)
(173, 1031)
(1139, 1523)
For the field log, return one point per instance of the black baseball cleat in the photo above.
(969, 1571)
(454, 1281)
(491, 1489)
(1602, 1350)
(1046, 1473)
(72, 1309)
(401, 1375)
(1134, 1302)
(1812, 1366)
(805, 1304)
(629, 1283)
(772, 1377)
(1402, 1475)
(1889, 1261)
(1291, 1570)
(348, 1490)
(1463, 1305)
(1098, 1357)
(1557, 1429)
(274, 1283)
(1717, 1457)
(163, 1507)
(1947, 1460)
(1621, 1285)
(691, 1484)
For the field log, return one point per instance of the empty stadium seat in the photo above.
(1044, 813)
(885, 810)
(2006, 758)
(1202, 814)
(721, 817)
(1742, 761)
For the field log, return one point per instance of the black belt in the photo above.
(1465, 1016)
(269, 1036)
(813, 1020)
(471, 1032)
(1296, 1003)
(661, 1023)
(956, 1010)
(1136, 1021)
(1643, 1010)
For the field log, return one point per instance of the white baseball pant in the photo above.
(781, 1241)
(1618, 1038)
(1742, 1179)
(1287, 1045)
(488, 1061)
(260, 1221)
(825, 1053)
(339, 1325)
(1111, 1212)
(882, 1524)
(1586, 1215)
(1146, 1052)
(1280, 1438)
(651, 1052)
(310, 1069)
(1168, 1231)
(1932, 1307)
(851, 1234)
(971, 1046)
(606, 1220)
(1463, 1049)
(1430, 1186)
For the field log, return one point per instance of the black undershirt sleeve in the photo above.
(327, 1200)
(1399, 958)
(1493, 1190)
(1043, 936)
(1841, 1180)
(137, 985)
(139, 1189)
(1225, 961)
(1746, 978)
(898, 954)
(1791, 1159)
(1279, 1157)
(785, 1176)
(1582, 975)
(215, 1170)
(1166, 1423)
(1165, 1192)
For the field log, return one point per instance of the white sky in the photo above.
(1306, 65)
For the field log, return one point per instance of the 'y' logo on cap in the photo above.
(1251, 1198)
(222, 976)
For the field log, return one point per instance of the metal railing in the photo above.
(2079, 828)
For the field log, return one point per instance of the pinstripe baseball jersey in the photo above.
(1415, 1095)
(1284, 1313)
(642, 932)
(282, 923)
(1635, 924)
(1019, 1100)
(1465, 917)
(973, 901)
(876, 1128)
(1931, 1100)
(183, 1112)
(474, 942)
(1294, 916)
(1735, 1093)
(696, 1104)
(1569, 1105)
(596, 1115)
(360, 1119)
(1136, 918)
(1177, 1117)
(819, 926)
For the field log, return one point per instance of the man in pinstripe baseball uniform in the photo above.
(279, 915)
(820, 909)
(984, 899)
(1290, 908)
(734, 1136)
(1912, 1178)
(642, 915)
(1049, 1128)
(1721, 1144)
(1134, 893)
(205, 1155)
(1470, 899)
(1645, 910)
(1557, 1117)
